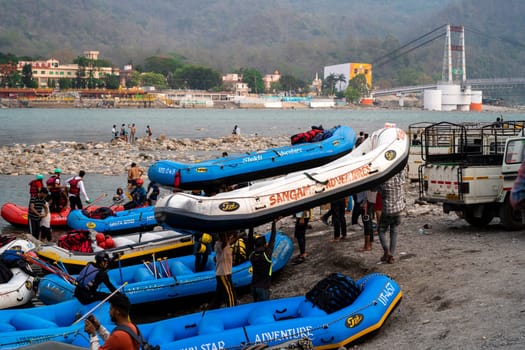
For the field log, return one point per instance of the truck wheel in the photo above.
(510, 218)
(484, 220)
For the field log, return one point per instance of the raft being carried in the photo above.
(378, 158)
(234, 169)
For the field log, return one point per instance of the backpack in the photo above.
(137, 337)
(334, 293)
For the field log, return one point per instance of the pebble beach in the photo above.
(113, 158)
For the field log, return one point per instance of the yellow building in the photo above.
(349, 70)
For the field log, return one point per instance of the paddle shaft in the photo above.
(103, 195)
(86, 315)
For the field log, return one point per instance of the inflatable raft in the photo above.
(19, 289)
(235, 169)
(166, 278)
(378, 158)
(17, 214)
(131, 248)
(355, 310)
(117, 222)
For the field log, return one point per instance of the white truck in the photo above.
(470, 168)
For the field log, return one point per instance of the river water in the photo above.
(30, 126)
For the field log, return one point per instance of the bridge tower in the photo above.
(454, 69)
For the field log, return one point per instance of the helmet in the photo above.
(206, 238)
(39, 176)
(139, 182)
(58, 170)
(102, 256)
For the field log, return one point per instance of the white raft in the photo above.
(381, 156)
(18, 290)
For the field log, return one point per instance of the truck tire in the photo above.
(484, 220)
(510, 218)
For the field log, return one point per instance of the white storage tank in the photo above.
(432, 100)
(476, 103)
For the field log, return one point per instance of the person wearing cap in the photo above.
(261, 259)
(36, 212)
(75, 186)
(91, 277)
(120, 337)
(138, 195)
(54, 185)
(35, 185)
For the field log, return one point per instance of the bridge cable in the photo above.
(379, 64)
(377, 60)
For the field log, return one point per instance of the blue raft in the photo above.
(271, 322)
(132, 220)
(240, 168)
(169, 278)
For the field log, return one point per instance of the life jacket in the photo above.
(87, 276)
(239, 253)
(77, 241)
(51, 183)
(74, 189)
(100, 213)
(34, 187)
(261, 261)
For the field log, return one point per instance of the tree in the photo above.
(329, 84)
(153, 79)
(340, 79)
(357, 88)
(196, 77)
(133, 80)
(9, 76)
(253, 78)
(65, 83)
(111, 81)
(27, 77)
(161, 64)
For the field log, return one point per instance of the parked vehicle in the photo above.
(475, 175)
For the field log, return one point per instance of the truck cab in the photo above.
(473, 170)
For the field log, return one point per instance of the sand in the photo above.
(463, 287)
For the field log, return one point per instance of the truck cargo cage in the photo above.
(479, 143)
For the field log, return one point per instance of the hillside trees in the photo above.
(196, 77)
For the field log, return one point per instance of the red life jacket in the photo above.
(73, 186)
(51, 184)
(34, 186)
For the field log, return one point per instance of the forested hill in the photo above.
(297, 37)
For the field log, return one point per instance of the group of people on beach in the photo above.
(129, 134)
(379, 210)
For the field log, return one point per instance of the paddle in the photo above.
(103, 195)
(86, 315)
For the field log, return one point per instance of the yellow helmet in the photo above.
(206, 238)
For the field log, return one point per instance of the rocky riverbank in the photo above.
(113, 158)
